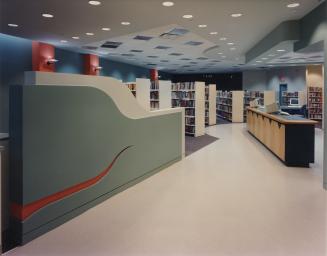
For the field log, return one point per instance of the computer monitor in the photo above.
(294, 102)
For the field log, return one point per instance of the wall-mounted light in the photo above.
(98, 68)
(51, 61)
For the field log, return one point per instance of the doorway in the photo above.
(282, 88)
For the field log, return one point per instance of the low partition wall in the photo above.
(73, 147)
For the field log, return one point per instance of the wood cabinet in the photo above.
(292, 141)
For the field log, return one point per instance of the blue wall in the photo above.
(122, 71)
(69, 62)
(16, 57)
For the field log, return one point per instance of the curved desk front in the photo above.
(290, 138)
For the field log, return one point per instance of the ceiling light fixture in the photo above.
(214, 33)
(230, 43)
(259, 61)
(63, 41)
(281, 50)
(95, 3)
(264, 58)
(89, 34)
(223, 39)
(125, 23)
(202, 26)
(106, 29)
(47, 15)
(220, 53)
(12, 25)
(75, 37)
(188, 16)
(233, 49)
(236, 15)
(271, 55)
(293, 5)
(168, 4)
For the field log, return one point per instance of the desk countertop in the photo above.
(284, 119)
(4, 136)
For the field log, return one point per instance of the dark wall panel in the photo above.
(228, 82)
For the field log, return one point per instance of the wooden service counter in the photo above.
(290, 138)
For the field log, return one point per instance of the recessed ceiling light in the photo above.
(213, 33)
(233, 49)
(223, 57)
(258, 61)
(168, 4)
(89, 34)
(75, 37)
(236, 15)
(106, 29)
(293, 5)
(202, 26)
(264, 58)
(220, 53)
(281, 50)
(230, 43)
(47, 15)
(188, 16)
(125, 23)
(95, 3)
(271, 55)
(223, 38)
(63, 41)
(12, 25)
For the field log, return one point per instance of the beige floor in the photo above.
(231, 198)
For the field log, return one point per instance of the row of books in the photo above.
(154, 95)
(189, 112)
(131, 86)
(223, 108)
(154, 104)
(183, 86)
(154, 85)
(189, 120)
(183, 103)
(190, 129)
(183, 95)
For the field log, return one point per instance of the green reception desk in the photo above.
(76, 143)
(290, 138)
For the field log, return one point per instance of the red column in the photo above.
(41, 53)
(154, 74)
(91, 63)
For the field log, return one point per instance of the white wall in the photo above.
(294, 77)
(255, 80)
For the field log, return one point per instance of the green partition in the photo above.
(72, 148)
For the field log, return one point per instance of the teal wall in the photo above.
(16, 57)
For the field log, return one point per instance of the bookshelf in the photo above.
(191, 96)
(286, 96)
(153, 95)
(230, 106)
(315, 103)
(132, 88)
(210, 104)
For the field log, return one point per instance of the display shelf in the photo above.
(191, 96)
(210, 104)
(287, 96)
(230, 105)
(264, 97)
(315, 103)
(153, 95)
(132, 88)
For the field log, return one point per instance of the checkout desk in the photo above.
(290, 138)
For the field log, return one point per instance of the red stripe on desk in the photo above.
(23, 212)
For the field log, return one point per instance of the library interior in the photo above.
(153, 127)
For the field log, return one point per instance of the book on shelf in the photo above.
(189, 95)
(132, 88)
(315, 103)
